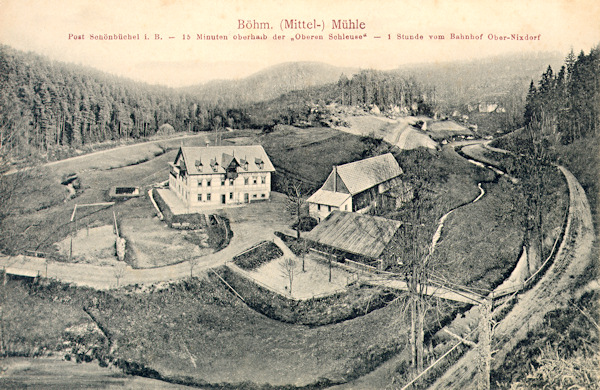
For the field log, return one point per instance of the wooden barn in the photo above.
(358, 237)
(355, 186)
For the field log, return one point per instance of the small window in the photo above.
(199, 182)
(319, 207)
(207, 196)
(199, 197)
(263, 180)
(328, 208)
(255, 196)
(230, 182)
(245, 181)
(346, 207)
(222, 182)
(231, 195)
(208, 182)
(254, 181)
(262, 195)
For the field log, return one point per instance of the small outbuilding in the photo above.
(359, 236)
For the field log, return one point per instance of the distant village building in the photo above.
(221, 175)
(355, 186)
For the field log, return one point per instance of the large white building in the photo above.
(355, 186)
(221, 175)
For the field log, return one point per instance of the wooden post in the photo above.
(484, 345)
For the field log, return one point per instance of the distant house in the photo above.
(355, 186)
(447, 129)
(221, 175)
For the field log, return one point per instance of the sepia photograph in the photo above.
(262, 194)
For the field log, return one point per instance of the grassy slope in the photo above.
(309, 154)
(31, 325)
(481, 242)
(201, 322)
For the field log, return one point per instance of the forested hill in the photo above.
(46, 106)
(270, 83)
(489, 79)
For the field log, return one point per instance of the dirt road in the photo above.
(246, 234)
(572, 262)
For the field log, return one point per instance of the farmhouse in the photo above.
(221, 175)
(358, 237)
(447, 129)
(355, 186)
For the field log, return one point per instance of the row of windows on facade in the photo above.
(209, 196)
(263, 180)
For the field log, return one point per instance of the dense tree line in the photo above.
(386, 90)
(46, 105)
(366, 89)
(568, 100)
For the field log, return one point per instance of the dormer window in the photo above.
(214, 165)
(198, 165)
(259, 163)
(244, 164)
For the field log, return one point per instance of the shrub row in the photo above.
(259, 255)
(297, 246)
(357, 301)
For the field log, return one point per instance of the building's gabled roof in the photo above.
(360, 234)
(216, 159)
(447, 128)
(358, 176)
(328, 198)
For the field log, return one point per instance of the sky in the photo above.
(49, 27)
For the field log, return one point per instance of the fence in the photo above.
(158, 212)
(248, 276)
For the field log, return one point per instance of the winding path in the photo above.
(572, 262)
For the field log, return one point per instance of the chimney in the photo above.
(335, 178)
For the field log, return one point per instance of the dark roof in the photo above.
(222, 157)
(358, 176)
(360, 234)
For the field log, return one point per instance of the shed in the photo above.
(359, 234)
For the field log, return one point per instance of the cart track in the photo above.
(552, 291)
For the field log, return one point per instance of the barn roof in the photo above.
(329, 198)
(215, 159)
(360, 234)
(358, 176)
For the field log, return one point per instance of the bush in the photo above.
(219, 232)
(297, 246)
(259, 255)
(306, 224)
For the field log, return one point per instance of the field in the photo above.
(95, 245)
(152, 244)
(481, 242)
(41, 373)
(397, 132)
(313, 282)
